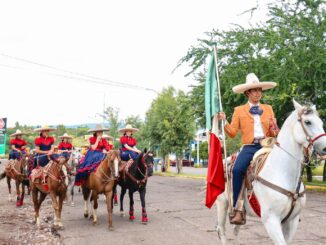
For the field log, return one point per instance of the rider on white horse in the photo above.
(255, 121)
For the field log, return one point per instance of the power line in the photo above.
(104, 81)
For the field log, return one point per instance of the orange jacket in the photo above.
(243, 120)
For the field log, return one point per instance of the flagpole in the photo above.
(223, 132)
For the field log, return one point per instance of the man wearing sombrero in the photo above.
(128, 144)
(44, 146)
(98, 147)
(255, 121)
(18, 145)
(65, 147)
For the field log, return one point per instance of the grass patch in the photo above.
(318, 171)
(316, 183)
(181, 175)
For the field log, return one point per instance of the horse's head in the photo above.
(308, 130)
(148, 162)
(113, 162)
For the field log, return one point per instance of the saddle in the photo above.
(253, 170)
(40, 176)
(11, 171)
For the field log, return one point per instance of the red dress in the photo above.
(102, 144)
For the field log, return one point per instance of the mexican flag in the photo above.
(215, 172)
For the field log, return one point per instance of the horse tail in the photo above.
(2, 175)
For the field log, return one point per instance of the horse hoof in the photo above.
(95, 223)
(131, 218)
(111, 228)
(91, 216)
(122, 214)
(86, 215)
(115, 204)
(144, 220)
(72, 204)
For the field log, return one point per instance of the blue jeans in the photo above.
(240, 168)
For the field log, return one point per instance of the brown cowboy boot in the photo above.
(238, 218)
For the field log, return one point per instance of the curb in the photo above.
(308, 187)
(181, 176)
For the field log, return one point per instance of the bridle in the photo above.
(308, 137)
(145, 176)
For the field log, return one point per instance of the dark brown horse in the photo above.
(101, 182)
(49, 180)
(136, 176)
(17, 170)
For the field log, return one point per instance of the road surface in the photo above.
(176, 216)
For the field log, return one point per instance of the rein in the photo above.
(134, 179)
(107, 178)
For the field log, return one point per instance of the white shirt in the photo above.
(258, 128)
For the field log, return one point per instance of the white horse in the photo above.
(70, 180)
(302, 129)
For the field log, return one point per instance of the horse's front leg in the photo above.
(222, 208)
(131, 205)
(18, 201)
(94, 198)
(9, 189)
(86, 195)
(72, 191)
(23, 194)
(142, 193)
(109, 196)
(273, 226)
(62, 196)
(56, 208)
(122, 194)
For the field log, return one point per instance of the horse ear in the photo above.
(297, 106)
(313, 107)
(145, 150)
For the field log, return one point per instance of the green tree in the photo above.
(203, 151)
(170, 124)
(112, 116)
(61, 129)
(289, 49)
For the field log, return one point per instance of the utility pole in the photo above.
(103, 111)
(198, 149)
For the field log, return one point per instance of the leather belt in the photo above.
(257, 140)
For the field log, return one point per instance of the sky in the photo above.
(132, 42)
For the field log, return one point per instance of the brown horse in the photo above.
(102, 182)
(17, 170)
(49, 180)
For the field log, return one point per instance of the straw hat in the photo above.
(108, 137)
(252, 81)
(18, 132)
(65, 135)
(45, 128)
(128, 128)
(98, 128)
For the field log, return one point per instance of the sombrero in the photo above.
(18, 132)
(109, 137)
(252, 81)
(44, 128)
(65, 135)
(128, 128)
(98, 128)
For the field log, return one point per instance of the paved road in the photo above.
(176, 216)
